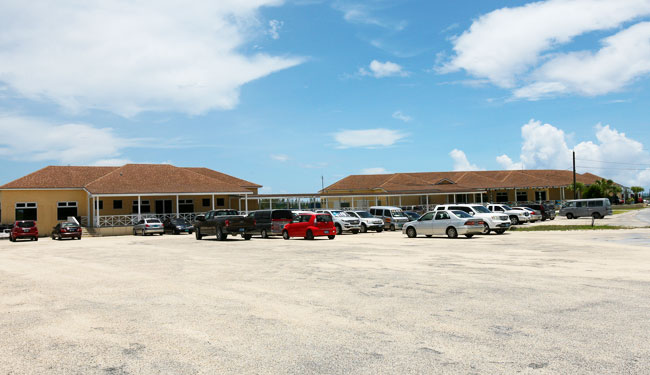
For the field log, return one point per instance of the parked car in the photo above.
(547, 211)
(222, 223)
(411, 215)
(4, 233)
(66, 230)
(535, 215)
(178, 225)
(450, 223)
(343, 221)
(597, 208)
(24, 229)
(368, 222)
(516, 216)
(497, 223)
(149, 226)
(393, 217)
(310, 225)
(271, 222)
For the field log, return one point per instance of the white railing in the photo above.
(132, 219)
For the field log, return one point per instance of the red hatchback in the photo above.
(24, 229)
(310, 225)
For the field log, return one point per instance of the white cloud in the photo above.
(361, 13)
(460, 161)
(613, 155)
(506, 45)
(113, 162)
(274, 28)
(280, 157)
(128, 57)
(374, 170)
(383, 69)
(401, 116)
(29, 139)
(369, 138)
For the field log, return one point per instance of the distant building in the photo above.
(117, 197)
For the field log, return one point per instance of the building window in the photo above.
(206, 202)
(185, 206)
(117, 204)
(502, 197)
(26, 211)
(522, 196)
(145, 207)
(221, 202)
(65, 210)
(540, 195)
(461, 198)
(345, 204)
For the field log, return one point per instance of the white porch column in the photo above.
(562, 193)
(139, 204)
(177, 210)
(246, 203)
(454, 198)
(376, 201)
(400, 201)
(97, 205)
(270, 203)
(481, 198)
(515, 196)
(299, 203)
(239, 208)
(88, 218)
(213, 201)
(427, 209)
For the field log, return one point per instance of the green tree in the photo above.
(580, 187)
(637, 189)
(594, 191)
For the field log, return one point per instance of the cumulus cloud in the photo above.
(383, 69)
(508, 45)
(128, 57)
(613, 154)
(461, 163)
(401, 116)
(368, 138)
(280, 157)
(374, 170)
(30, 139)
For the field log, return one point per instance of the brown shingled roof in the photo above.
(132, 179)
(463, 181)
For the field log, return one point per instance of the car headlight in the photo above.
(495, 218)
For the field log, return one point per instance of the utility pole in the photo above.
(322, 183)
(575, 192)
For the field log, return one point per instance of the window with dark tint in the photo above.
(26, 211)
(323, 218)
(579, 204)
(428, 216)
(282, 215)
(66, 209)
(101, 205)
(502, 197)
(540, 195)
(26, 224)
(595, 203)
(442, 216)
(461, 198)
(221, 202)
(206, 202)
(145, 207)
(373, 211)
(117, 204)
(226, 213)
(386, 213)
(185, 206)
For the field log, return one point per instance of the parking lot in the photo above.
(529, 302)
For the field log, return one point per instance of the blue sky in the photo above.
(281, 93)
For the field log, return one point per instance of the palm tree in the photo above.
(580, 187)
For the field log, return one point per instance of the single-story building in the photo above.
(111, 199)
(429, 188)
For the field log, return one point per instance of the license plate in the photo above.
(241, 229)
(327, 232)
(25, 230)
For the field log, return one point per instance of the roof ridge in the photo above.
(104, 175)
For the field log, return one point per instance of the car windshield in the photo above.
(282, 215)
(65, 225)
(323, 218)
(180, 221)
(397, 213)
(481, 210)
(25, 224)
(364, 214)
(507, 208)
(226, 213)
(462, 214)
(339, 213)
(153, 221)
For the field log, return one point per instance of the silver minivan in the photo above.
(394, 217)
(596, 208)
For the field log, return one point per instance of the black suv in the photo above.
(547, 210)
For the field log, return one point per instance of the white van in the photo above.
(394, 217)
(596, 208)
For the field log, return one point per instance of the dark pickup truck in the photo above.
(222, 223)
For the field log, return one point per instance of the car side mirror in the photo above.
(200, 218)
(471, 213)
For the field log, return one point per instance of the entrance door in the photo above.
(164, 207)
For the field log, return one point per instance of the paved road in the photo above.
(644, 215)
(534, 303)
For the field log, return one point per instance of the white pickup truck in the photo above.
(497, 223)
(516, 216)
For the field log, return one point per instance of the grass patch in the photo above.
(624, 210)
(563, 228)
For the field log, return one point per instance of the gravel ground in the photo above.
(634, 218)
(527, 302)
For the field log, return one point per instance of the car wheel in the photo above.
(380, 230)
(469, 235)
(429, 235)
(392, 227)
(264, 233)
(354, 231)
(500, 231)
(285, 235)
(339, 229)
(451, 232)
(514, 220)
(364, 228)
(595, 215)
(331, 237)
(198, 234)
(35, 238)
(569, 216)
(248, 236)
(143, 233)
(553, 218)
(309, 235)
(177, 231)
(486, 229)
(411, 233)
(53, 236)
(220, 235)
(11, 239)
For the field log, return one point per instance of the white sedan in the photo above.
(450, 223)
(534, 214)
